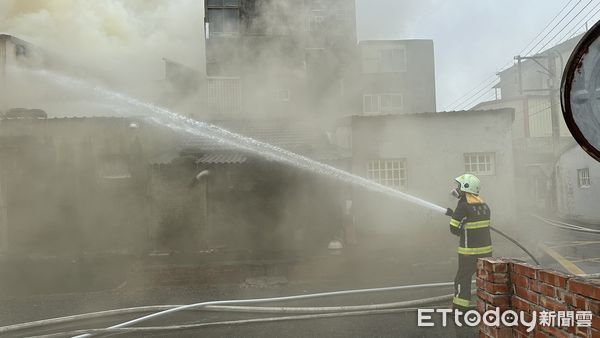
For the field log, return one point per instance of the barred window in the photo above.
(224, 94)
(583, 178)
(223, 16)
(480, 163)
(382, 103)
(389, 172)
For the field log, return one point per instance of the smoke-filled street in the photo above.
(314, 168)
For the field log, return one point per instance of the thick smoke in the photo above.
(119, 43)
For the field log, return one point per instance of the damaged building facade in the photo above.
(289, 73)
(384, 150)
(115, 185)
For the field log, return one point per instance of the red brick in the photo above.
(540, 334)
(502, 332)
(493, 288)
(521, 329)
(495, 300)
(556, 332)
(584, 287)
(594, 333)
(492, 264)
(552, 304)
(480, 283)
(526, 294)
(494, 277)
(497, 289)
(525, 269)
(573, 300)
(520, 280)
(481, 308)
(520, 304)
(596, 322)
(554, 278)
(594, 306)
(547, 290)
(582, 331)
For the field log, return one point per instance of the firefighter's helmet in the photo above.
(469, 183)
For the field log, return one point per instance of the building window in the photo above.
(115, 167)
(224, 94)
(223, 17)
(393, 60)
(583, 178)
(390, 172)
(480, 163)
(316, 22)
(283, 95)
(382, 103)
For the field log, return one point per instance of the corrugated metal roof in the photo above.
(307, 140)
(222, 158)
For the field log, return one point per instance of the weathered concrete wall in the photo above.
(416, 83)
(575, 202)
(433, 145)
(78, 185)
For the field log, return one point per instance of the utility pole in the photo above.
(553, 92)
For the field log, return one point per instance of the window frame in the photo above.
(584, 181)
(382, 171)
(402, 67)
(222, 8)
(287, 97)
(377, 100)
(469, 165)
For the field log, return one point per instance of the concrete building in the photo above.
(126, 186)
(526, 88)
(398, 76)
(421, 154)
(577, 186)
(302, 53)
(13, 52)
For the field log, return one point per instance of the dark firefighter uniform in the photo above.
(471, 222)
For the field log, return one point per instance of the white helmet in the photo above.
(469, 183)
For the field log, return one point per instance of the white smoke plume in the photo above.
(118, 42)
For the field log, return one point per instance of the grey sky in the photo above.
(472, 38)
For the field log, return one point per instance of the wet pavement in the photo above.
(381, 325)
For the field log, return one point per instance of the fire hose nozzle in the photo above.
(449, 212)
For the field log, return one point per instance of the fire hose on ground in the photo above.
(195, 326)
(234, 306)
(566, 226)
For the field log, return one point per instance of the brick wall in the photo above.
(522, 287)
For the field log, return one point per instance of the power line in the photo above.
(467, 97)
(469, 92)
(556, 25)
(575, 28)
(547, 25)
(564, 27)
(469, 103)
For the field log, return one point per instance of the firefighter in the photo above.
(471, 222)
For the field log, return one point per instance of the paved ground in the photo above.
(566, 250)
(388, 325)
(581, 250)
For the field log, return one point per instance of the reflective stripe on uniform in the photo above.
(460, 301)
(471, 225)
(477, 225)
(475, 251)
